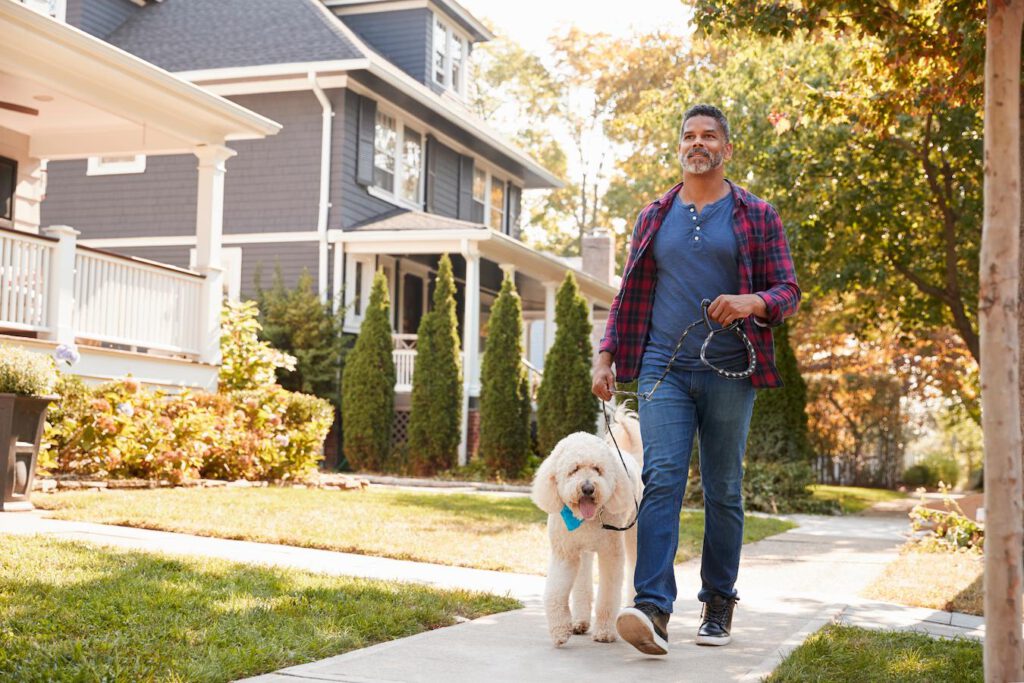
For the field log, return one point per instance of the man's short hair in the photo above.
(706, 110)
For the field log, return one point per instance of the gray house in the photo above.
(379, 164)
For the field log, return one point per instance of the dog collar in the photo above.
(571, 522)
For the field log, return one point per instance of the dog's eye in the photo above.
(598, 470)
(575, 470)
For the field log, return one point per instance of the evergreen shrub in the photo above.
(368, 386)
(778, 427)
(565, 402)
(505, 396)
(435, 424)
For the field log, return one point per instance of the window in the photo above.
(397, 161)
(412, 164)
(497, 217)
(359, 270)
(8, 183)
(116, 165)
(384, 139)
(449, 57)
(479, 195)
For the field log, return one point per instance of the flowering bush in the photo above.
(120, 430)
(950, 529)
(24, 372)
(246, 361)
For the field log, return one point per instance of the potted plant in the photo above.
(27, 380)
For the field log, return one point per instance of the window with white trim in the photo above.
(398, 160)
(116, 165)
(449, 57)
(497, 213)
(490, 195)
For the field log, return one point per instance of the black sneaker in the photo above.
(716, 621)
(645, 627)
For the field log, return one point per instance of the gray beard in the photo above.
(699, 165)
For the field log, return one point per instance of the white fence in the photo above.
(25, 262)
(405, 364)
(48, 285)
(136, 303)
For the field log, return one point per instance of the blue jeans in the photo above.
(718, 410)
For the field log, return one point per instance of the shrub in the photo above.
(26, 373)
(368, 386)
(504, 397)
(435, 424)
(947, 530)
(920, 475)
(778, 427)
(565, 403)
(775, 487)
(246, 361)
(299, 323)
(120, 430)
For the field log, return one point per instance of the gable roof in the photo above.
(186, 35)
(452, 9)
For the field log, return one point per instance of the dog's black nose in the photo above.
(588, 488)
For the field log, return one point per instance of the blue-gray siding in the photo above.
(404, 37)
(446, 180)
(272, 185)
(99, 17)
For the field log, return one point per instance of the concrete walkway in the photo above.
(790, 585)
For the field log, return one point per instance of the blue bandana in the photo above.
(571, 523)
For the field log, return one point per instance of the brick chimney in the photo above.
(599, 254)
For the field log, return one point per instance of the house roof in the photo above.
(454, 10)
(407, 219)
(207, 41)
(181, 35)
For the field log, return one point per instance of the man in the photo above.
(705, 238)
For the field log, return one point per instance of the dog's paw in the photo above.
(560, 636)
(604, 634)
(580, 627)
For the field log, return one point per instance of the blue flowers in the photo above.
(67, 353)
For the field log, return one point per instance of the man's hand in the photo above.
(729, 307)
(603, 378)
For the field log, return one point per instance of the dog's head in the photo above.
(585, 474)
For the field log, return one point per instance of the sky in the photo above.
(530, 22)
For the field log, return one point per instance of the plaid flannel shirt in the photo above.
(765, 269)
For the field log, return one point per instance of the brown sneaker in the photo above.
(645, 627)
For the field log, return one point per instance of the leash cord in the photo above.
(736, 327)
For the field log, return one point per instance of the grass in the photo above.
(856, 655)
(854, 499)
(77, 612)
(502, 533)
(938, 580)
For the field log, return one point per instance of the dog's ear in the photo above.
(624, 496)
(545, 489)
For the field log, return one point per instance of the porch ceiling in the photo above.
(76, 96)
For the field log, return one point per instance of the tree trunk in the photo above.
(1000, 348)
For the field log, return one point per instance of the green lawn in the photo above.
(78, 612)
(470, 530)
(856, 655)
(854, 499)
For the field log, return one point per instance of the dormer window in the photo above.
(449, 57)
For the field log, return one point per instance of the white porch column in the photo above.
(209, 237)
(550, 290)
(61, 301)
(470, 341)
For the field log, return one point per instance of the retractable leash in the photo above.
(736, 327)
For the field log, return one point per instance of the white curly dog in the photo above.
(585, 475)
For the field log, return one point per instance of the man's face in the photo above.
(702, 147)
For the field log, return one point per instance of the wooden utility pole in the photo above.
(1000, 345)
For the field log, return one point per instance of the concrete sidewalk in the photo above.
(790, 585)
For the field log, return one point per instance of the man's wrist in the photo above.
(605, 358)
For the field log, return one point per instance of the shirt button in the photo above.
(698, 227)
(692, 209)
(693, 217)
(697, 238)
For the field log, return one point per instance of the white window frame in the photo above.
(491, 177)
(395, 196)
(116, 165)
(450, 34)
(354, 321)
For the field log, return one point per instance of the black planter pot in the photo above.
(21, 429)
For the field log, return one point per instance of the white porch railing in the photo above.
(136, 303)
(405, 365)
(62, 291)
(25, 262)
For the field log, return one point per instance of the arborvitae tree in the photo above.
(297, 322)
(778, 428)
(504, 397)
(436, 419)
(368, 386)
(565, 403)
